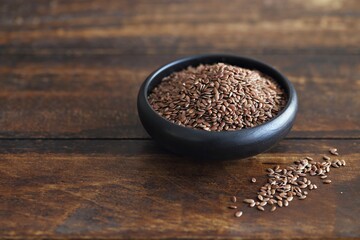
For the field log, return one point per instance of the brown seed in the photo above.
(248, 201)
(280, 203)
(309, 158)
(327, 181)
(278, 198)
(326, 157)
(273, 208)
(232, 207)
(229, 96)
(333, 151)
(334, 164)
(260, 208)
(261, 198)
(238, 214)
(253, 180)
(233, 199)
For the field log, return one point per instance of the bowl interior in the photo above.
(155, 78)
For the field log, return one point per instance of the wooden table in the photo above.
(75, 161)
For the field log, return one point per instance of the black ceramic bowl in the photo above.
(225, 144)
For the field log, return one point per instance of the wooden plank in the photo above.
(132, 189)
(94, 96)
(138, 27)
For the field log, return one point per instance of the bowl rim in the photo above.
(291, 94)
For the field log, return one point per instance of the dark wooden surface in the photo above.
(75, 161)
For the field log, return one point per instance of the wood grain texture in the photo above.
(95, 96)
(162, 26)
(75, 161)
(133, 189)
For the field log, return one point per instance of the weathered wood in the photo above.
(132, 189)
(180, 26)
(95, 96)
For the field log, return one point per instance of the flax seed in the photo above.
(217, 97)
(260, 208)
(238, 214)
(333, 151)
(249, 201)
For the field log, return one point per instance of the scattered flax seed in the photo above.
(253, 180)
(285, 184)
(273, 208)
(260, 208)
(249, 201)
(232, 207)
(334, 164)
(238, 214)
(333, 151)
(233, 199)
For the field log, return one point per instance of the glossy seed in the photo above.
(260, 208)
(253, 180)
(233, 199)
(252, 204)
(232, 207)
(327, 181)
(333, 151)
(238, 214)
(273, 208)
(248, 201)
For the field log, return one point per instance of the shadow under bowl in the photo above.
(203, 144)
